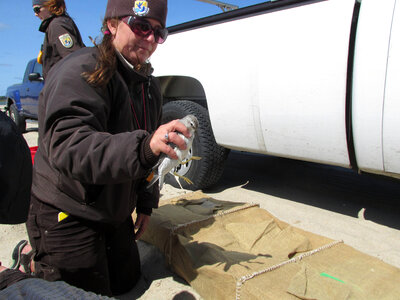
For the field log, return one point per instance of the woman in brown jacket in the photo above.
(99, 137)
(62, 36)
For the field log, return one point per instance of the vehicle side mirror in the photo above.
(35, 77)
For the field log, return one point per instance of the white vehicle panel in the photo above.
(391, 115)
(304, 82)
(272, 98)
(370, 66)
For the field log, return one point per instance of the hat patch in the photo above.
(66, 40)
(141, 8)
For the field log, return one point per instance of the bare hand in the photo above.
(141, 224)
(159, 143)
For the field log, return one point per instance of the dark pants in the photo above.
(94, 257)
(9, 277)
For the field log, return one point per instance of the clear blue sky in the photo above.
(21, 40)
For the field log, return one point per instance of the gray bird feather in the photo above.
(165, 164)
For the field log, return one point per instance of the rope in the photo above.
(245, 278)
(220, 214)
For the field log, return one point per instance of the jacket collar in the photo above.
(141, 73)
(45, 23)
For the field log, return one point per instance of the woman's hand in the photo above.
(141, 224)
(167, 134)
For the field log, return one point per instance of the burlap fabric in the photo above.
(228, 250)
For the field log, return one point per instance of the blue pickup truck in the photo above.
(22, 98)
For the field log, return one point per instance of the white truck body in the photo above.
(282, 81)
(376, 97)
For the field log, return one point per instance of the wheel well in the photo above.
(9, 102)
(182, 88)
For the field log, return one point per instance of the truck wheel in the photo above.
(17, 118)
(204, 172)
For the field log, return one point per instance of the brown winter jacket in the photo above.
(62, 37)
(93, 158)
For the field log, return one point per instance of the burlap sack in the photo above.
(228, 250)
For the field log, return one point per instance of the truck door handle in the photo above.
(27, 89)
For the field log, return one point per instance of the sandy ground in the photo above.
(158, 282)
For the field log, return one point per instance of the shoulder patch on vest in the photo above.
(66, 40)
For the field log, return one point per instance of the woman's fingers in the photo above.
(167, 133)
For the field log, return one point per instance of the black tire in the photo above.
(205, 172)
(17, 118)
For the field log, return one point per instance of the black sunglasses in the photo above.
(143, 28)
(37, 9)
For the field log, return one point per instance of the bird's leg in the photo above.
(177, 180)
(192, 158)
(188, 181)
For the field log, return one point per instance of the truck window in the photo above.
(197, 9)
(37, 68)
(28, 70)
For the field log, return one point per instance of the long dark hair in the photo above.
(106, 61)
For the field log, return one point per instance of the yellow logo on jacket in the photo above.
(66, 40)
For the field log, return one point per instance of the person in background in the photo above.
(62, 36)
(100, 135)
(15, 173)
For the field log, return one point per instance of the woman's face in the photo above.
(41, 12)
(134, 48)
